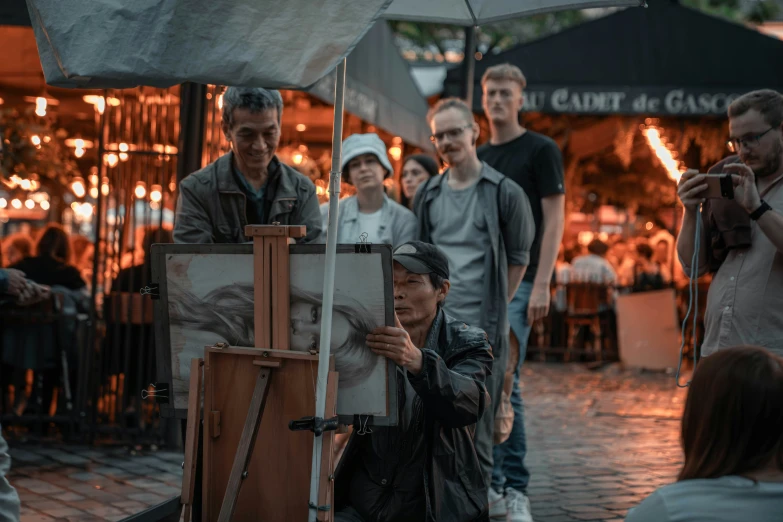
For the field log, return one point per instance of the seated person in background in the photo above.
(622, 258)
(83, 255)
(647, 273)
(732, 437)
(662, 256)
(16, 247)
(442, 364)
(593, 267)
(51, 264)
(132, 278)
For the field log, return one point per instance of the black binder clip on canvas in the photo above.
(152, 290)
(363, 246)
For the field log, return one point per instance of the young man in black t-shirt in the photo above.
(534, 161)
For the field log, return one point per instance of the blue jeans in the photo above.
(509, 458)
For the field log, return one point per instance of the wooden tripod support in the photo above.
(248, 391)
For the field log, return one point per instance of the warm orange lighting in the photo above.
(123, 156)
(94, 192)
(45, 204)
(298, 157)
(156, 193)
(395, 152)
(172, 186)
(78, 152)
(585, 237)
(154, 205)
(26, 184)
(40, 106)
(658, 146)
(77, 186)
(123, 147)
(93, 179)
(220, 101)
(16, 204)
(141, 190)
(301, 127)
(3, 202)
(111, 159)
(105, 189)
(85, 210)
(648, 225)
(35, 140)
(29, 204)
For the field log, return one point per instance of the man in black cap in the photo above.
(425, 468)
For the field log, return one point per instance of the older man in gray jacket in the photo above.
(249, 185)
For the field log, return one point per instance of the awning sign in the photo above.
(653, 101)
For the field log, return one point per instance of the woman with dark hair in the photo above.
(732, 437)
(416, 169)
(51, 264)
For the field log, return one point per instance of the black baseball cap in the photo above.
(422, 258)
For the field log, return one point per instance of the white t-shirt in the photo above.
(725, 499)
(369, 223)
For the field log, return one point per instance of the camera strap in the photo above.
(693, 301)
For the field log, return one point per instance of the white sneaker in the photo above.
(497, 505)
(518, 506)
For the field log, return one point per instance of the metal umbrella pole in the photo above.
(328, 293)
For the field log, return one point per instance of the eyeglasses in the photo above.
(451, 133)
(735, 144)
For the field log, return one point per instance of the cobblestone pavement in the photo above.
(599, 442)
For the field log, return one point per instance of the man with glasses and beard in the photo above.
(741, 239)
(484, 224)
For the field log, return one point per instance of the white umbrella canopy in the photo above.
(479, 12)
(251, 43)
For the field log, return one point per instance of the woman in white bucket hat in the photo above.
(365, 165)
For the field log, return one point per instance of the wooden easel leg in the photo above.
(191, 435)
(245, 447)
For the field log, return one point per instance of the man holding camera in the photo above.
(741, 239)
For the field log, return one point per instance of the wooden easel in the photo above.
(252, 390)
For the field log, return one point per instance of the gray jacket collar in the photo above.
(279, 180)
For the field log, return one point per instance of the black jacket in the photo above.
(451, 388)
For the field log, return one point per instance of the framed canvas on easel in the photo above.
(206, 297)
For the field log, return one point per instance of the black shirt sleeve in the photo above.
(548, 170)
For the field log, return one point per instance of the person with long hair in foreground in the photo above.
(732, 437)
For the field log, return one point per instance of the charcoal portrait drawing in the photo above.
(210, 300)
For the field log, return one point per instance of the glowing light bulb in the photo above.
(111, 159)
(94, 193)
(75, 206)
(3, 202)
(140, 190)
(86, 210)
(298, 158)
(78, 188)
(156, 193)
(220, 101)
(105, 189)
(123, 156)
(172, 186)
(26, 184)
(78, 143)
(45, 205)
(123, 147)
(395, 152)
(29, 204)
(301, 127)
(35, 140)
(16, 204)
(40, 106)
(78, 152)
